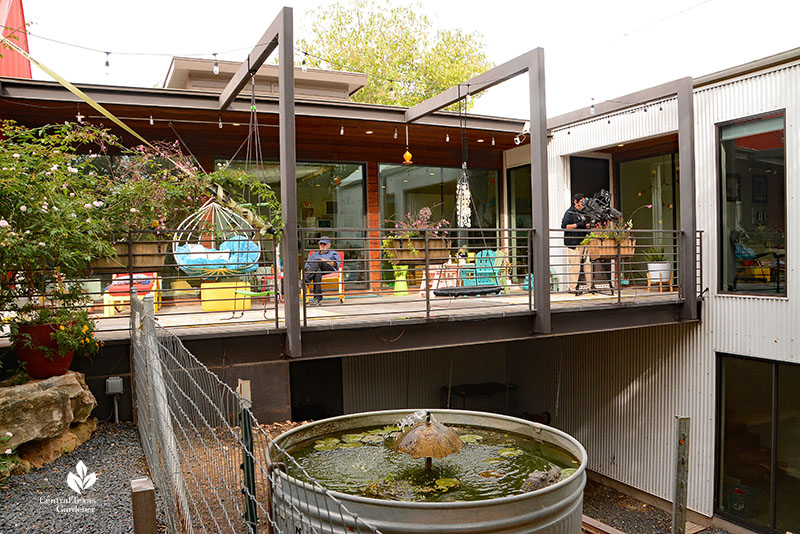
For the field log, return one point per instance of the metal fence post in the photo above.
(247, 467)
(681, 475)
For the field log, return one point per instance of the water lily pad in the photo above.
(350, 445)
(471, 438)
(327, 440)
(495, 460)
(392, 428)
(377, 431)
(447, 482)
(325, 446)
(491, 473)
(567, 472)
(372, 439)
(352, 438)
(509, 452)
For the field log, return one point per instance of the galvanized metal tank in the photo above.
(553, 510)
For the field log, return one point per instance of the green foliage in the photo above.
(392, 43)
(242, 185)
(150, 188)
(8, 458)
(655, 255)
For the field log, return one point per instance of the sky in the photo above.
(593, 49)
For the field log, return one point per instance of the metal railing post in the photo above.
(427, 279)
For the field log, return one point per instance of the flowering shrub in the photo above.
(8, 457)
(51, 222)
(419, 224)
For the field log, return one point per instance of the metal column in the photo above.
(688, 258)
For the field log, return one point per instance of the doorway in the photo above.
(588, 175)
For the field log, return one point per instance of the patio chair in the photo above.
(118, 292)
(485, 271)
(333, 281)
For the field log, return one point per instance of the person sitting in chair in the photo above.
(320, 262)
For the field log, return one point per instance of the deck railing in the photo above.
(385, 278)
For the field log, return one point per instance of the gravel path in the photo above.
(625, 513)
(30, 503)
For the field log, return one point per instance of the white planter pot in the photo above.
(659, 271)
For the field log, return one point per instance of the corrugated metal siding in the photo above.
(618, 392)
(412, 379)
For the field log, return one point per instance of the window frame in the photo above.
(720, 191)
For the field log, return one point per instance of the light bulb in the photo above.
(219, 122)
(391, 90)
(304, 65)
(591, 108)
(151, 120)
(215, 70)
(395, 132)
(79, 117)
(492, 140)
(341, 130)
(107, 63)
(447, 137)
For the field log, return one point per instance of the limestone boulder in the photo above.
(43, 409)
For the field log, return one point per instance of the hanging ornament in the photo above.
(407, 155)
(463, 201)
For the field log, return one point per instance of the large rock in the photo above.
(43, 409)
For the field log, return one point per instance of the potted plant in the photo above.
(50, 227)
(406, 243)
(659, 268)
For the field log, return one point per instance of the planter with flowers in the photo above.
(405, 245)
(50, 228)
(612, 237)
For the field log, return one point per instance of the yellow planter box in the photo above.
(222, 296)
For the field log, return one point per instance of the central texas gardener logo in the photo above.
(81, 481)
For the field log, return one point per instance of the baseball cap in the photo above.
(325, 239)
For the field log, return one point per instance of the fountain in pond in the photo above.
(492, 473)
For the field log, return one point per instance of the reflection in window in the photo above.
(753, 206)
(329, 195)
(406, 189)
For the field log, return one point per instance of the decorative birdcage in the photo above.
(216, 242)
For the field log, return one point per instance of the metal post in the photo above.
(681, 475)
(687, 260)
(540, 202)
(247, 466)
(427, 279)
(288, 163)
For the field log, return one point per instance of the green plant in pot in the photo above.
(659, 266)
(405, 244)
(50, 228)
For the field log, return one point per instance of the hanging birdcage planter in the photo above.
(216, 242)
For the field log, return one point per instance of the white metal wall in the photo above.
(618, 392)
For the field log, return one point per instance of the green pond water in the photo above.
(491, 464)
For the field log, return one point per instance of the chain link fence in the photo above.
(208, 456)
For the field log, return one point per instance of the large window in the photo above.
(406, 189)
(758, 480)
(752, 188)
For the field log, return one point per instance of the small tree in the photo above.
(397, 47)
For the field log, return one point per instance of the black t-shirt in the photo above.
(573, 238)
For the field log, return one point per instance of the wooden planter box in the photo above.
(147, 256)
(412, 251)
(627, 247)
(601, 248)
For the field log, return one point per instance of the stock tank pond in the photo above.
(452, 471)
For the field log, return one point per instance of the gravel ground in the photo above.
(625, 513)
(113, 453)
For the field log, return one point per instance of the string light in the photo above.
(215, 70)
(151, 119)
(341, 130)
(304, 64)
(79, 117)
(591, 108)
(493, 140)
(108, 66)
(219, 121)
(391, 89)
(395, 132)
(447, 137)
